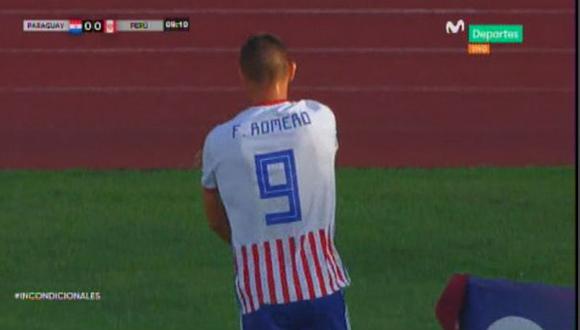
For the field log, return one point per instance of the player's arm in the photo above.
(216, 214)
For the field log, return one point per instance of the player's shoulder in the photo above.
(223, 130)
(314, 105)
(318, 109)
(216, 135)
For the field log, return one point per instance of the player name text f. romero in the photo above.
(275, 125)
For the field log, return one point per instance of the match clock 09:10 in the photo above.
(176, 24)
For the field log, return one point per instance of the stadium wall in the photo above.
(405, 92)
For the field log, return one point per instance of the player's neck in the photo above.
(270, 95)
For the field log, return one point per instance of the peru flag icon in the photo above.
(110, 26)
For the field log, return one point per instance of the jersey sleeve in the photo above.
(336, 136)
(208, 167)
(334, 128)
(329, 120)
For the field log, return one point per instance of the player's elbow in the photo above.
(220, 229)
(214, 225)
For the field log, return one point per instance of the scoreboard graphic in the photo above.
(110, 26)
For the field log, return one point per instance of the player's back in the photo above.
(274, 167)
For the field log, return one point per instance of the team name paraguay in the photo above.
(45, 25)
(285, 123)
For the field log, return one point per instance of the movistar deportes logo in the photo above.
(454, 28)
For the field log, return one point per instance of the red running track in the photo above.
(404, 92)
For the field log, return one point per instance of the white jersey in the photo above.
(274, 168)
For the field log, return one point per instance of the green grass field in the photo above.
(141, 240)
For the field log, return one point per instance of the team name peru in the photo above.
(285, 123)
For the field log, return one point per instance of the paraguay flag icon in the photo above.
(75, 26)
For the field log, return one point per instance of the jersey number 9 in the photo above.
(288, 189)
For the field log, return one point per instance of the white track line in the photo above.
(331, 89)
(332, 50)
(287, 11)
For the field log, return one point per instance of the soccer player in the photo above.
(269, 191)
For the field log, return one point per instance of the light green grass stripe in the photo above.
(140, 239)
